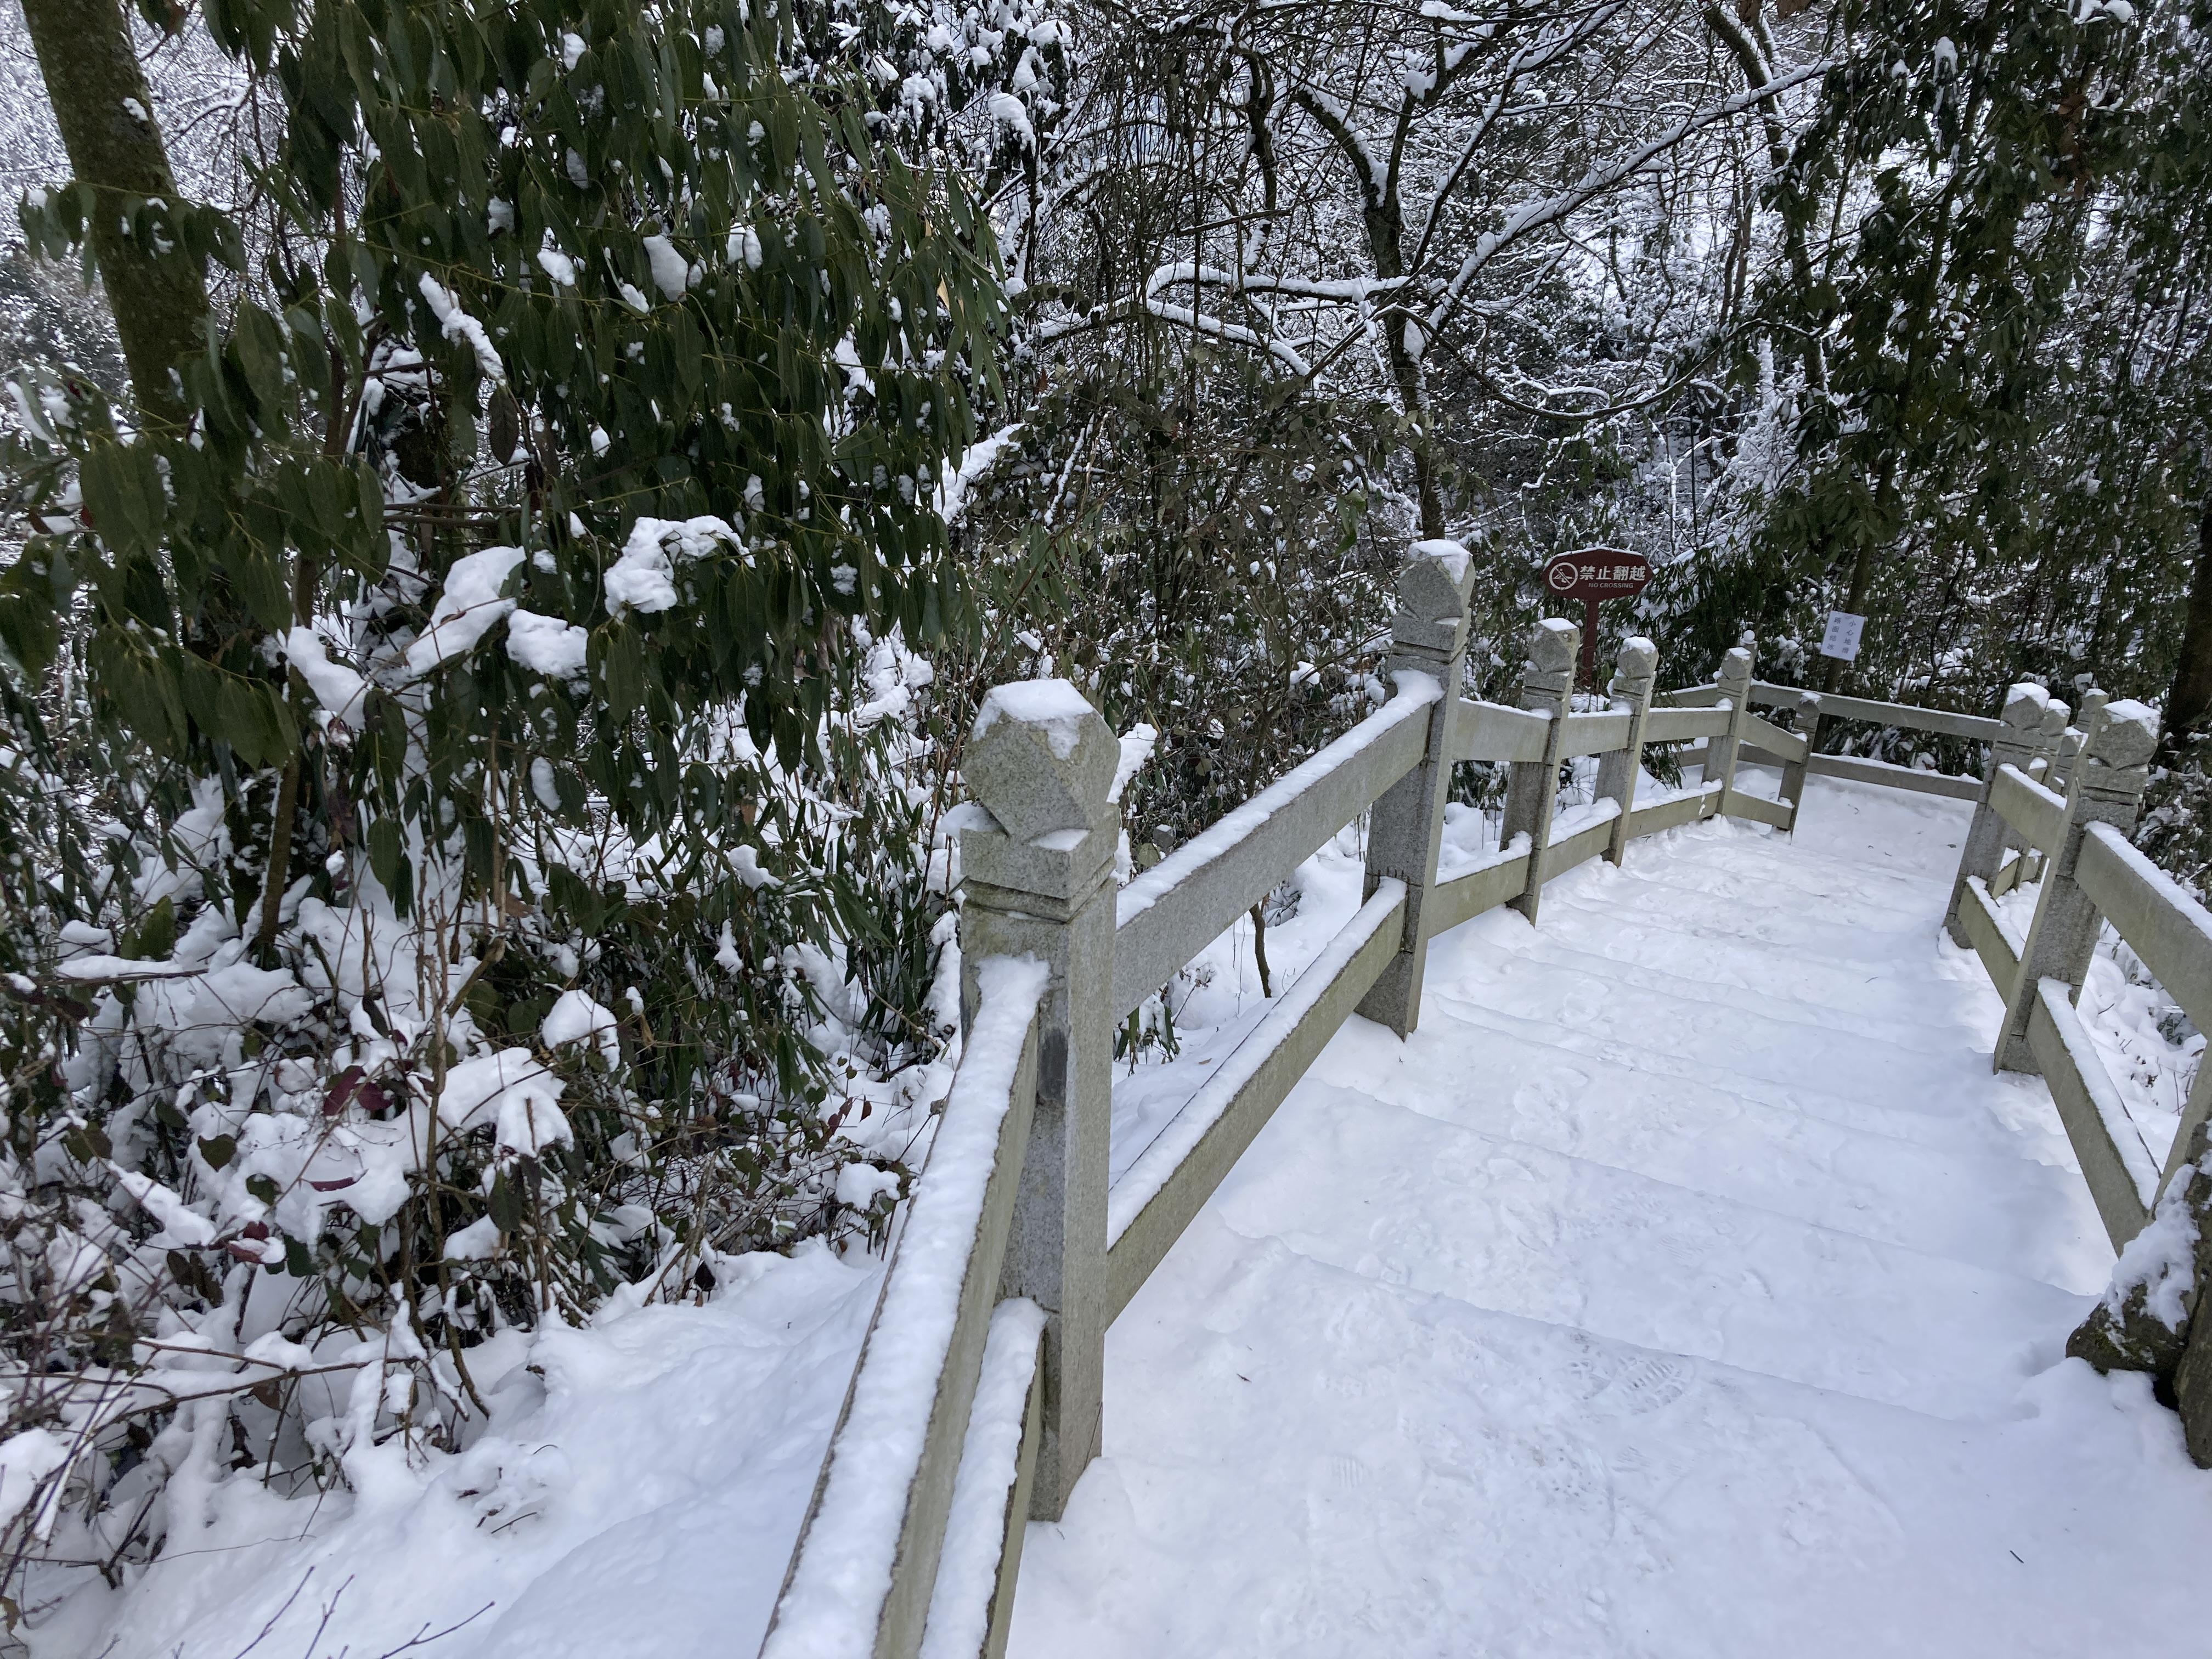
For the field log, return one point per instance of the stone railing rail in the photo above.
(2050, 746)
(976, 1402)
(2074, 840)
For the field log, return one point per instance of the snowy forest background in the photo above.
(495, 574)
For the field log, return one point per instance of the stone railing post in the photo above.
(2070, 742)
(2023, 707)
(2109, 778)
(1406, 826)
(2053, 738)
(1038, 881)
(1794, 773)
(2060, 774)
(1533, 791)
(1721, 751)
(1634, 671)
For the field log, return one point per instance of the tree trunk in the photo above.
(1739, 34)
(1425, 453)
(94, 82)
(1259, 947)
(1386, 247)
(2190, 701)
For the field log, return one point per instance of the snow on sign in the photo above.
(1842, 639)
(1592, 574)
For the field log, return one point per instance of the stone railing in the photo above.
(2074, 840)
(977, 1400)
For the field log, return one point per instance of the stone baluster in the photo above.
(1722, 751)
(1405, 829)
(2063, 760)
(2015, 746)
(1794, 772)
(1533, 793)
(2109, 778)
(1038, 880)
(2069, 745)
(1635, 671)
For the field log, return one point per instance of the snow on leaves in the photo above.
(644, 578)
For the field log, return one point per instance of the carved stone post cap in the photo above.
(1736, 665)
(1639, 659)
(1433, 594)
(1552, 643)
(1040, 759)
(2054, 721)
(2126, 736)
(2092, 705)
(2024, 705)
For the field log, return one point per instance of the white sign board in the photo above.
(1842, 639)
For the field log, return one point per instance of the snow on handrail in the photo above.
(1994, 937)
(1683, 725)
(1172, 1178)
(2162, 923)
(1578, 820)
(1216, 876)
(1493, 732)
(974, 1573)
(861, 1576)
(2121, 1173)
(1594, 731)
(2039, 814)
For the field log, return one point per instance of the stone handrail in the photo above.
(1831, 705)
(1170, 913)
(2090, 875)
(861, 1579)
(2039, 814)
(978, 1396)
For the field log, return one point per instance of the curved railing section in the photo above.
(2074, 842)
(978, 1397)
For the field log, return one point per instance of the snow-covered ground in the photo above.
(1688, 1284)
(636, 1493)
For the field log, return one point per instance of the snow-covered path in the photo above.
(1686, 1286)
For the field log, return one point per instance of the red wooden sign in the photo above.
(1598, 573)
(1592, 574)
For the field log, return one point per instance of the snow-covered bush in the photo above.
(1196, 551)
(467, 791)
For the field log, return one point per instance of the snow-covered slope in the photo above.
(637, 1493)
(1686, 1286)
